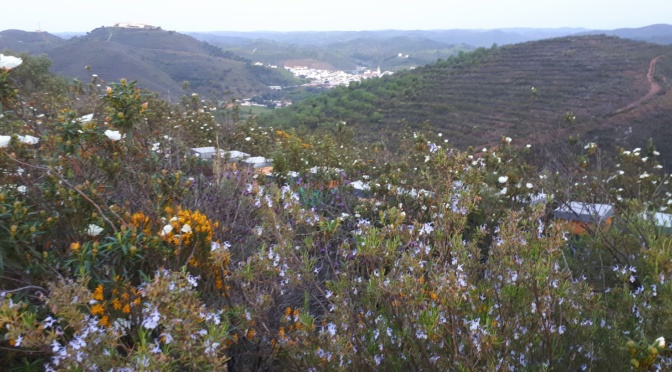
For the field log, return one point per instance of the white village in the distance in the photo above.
(318, 78)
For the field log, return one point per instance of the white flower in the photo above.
(93, 230)
(211, 348)
(529, 185)
(504, 190)
(167, 338)
(378, 359)
(9, 62)
(426, 229)
(643, 175)
(656, 153)
(156, 349)
(22, 189)
(507, 139)
(86, 118)
(4, 141)
(114, 135)
(503, 179)
(528, 146)
(247, 139)
(186, 228)
(152, 321)
(193, 280)
(331, 328)
(166, 229)
(29, 140)
(645, 159)
(659, 343)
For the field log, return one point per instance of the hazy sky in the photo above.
(326, 15)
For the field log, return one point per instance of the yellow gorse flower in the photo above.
(98, 293)
(97, 309)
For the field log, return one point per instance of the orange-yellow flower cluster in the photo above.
(187, 227)
(123, 298)
(140, 221)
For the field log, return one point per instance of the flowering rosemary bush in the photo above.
(126, 253)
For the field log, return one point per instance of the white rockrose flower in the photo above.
(29, 140)
(93, 230)
(9, 62)
(4, 141)
(166, 229)
(114, 135)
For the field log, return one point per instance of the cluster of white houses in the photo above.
(581, 217)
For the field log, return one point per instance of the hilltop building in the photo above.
(140, 26)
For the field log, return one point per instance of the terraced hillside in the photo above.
(535, 91)
(160, 60)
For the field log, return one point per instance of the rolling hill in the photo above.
(29, 42)
(659, 34)
(527, 91)
(346, 50)
(161, 60)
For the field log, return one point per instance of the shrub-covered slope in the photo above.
(118, 251)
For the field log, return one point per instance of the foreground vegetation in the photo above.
(121, 252)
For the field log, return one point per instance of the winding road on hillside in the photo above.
(653, 90)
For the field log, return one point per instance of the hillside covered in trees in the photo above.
(119, 250)
(536, 92)
(165, 60)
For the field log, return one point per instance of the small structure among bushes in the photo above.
(584, 216)
(205, 153)
(260, 164)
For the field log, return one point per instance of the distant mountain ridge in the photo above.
(659, 34)
(348, 49)
(161, 60)
(475, 38)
